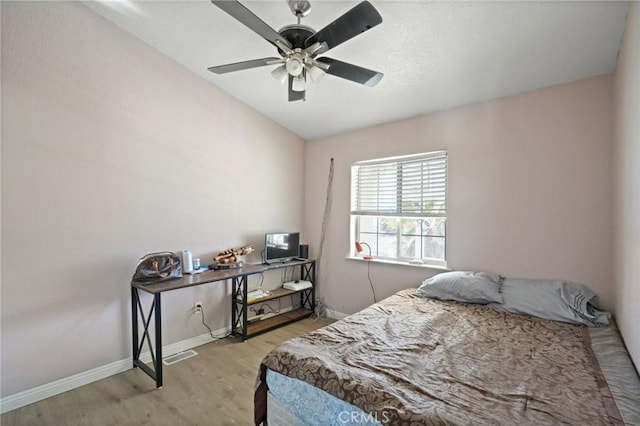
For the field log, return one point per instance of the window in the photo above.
(398, 207)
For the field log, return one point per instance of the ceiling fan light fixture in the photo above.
(298, 84)
(280, 73)
(294, 66)
(317, 74)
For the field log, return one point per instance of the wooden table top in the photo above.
(209, 276)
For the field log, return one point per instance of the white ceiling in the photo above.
(434, 55)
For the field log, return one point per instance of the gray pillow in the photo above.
(463, 286)
(551, 299)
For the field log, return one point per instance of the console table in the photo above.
(239, 307)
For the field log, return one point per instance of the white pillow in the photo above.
(552, 299)
(463, 286)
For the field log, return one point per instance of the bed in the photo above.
(412, 360)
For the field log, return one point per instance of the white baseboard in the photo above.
(337, 315)
(48, 390)
(56, 387)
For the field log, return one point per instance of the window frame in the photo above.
(438, 213)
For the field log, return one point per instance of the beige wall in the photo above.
(110, 151)
(626, 253)
(529, 191)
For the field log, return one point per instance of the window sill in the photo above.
(396, 262)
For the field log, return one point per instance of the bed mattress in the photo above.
(411, 360)
(300, 396)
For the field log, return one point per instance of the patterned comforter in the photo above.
(415, 361)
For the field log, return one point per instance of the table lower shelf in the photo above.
(279, 320)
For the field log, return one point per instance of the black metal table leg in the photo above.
(308, 273)
(134, 324)
(234, 306)
(245, 320)
(235, 310)
(313, 289)
(138, 343)
(239, 306)
(158, 327)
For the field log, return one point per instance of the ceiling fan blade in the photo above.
(351, 72)
(238, 66)
(245, 16)
(293, 95)
(355, 21)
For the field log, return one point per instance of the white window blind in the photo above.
(412, 186)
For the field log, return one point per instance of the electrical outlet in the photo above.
(197, 307)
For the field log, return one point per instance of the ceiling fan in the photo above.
(299, 45)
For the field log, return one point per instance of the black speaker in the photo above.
(304, 251)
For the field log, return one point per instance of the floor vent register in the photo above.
(172, 359)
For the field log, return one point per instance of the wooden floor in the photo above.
(213, 388)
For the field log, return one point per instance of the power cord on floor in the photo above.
(373, 290)
(209, 328)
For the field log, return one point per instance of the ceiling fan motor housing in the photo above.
(296, 35)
